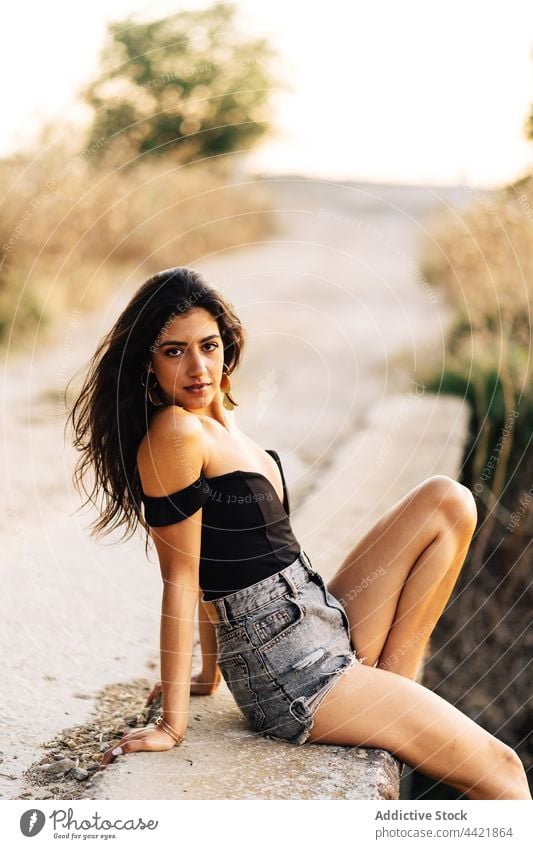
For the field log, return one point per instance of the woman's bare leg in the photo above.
(394, 585)
(395, 582)
(374, 707)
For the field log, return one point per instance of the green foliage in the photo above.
(190, 83)
(485, 392)
(450, 382)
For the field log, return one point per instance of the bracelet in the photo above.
(170, 731)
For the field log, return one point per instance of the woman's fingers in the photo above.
(109, 756)
(124, 747)
(148, 739)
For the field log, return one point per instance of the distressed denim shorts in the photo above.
(282, 644)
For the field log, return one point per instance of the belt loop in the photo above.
(222, 611)
(292, 585)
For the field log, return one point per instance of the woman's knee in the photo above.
(453, 500)
(510, 774)
(514, 763)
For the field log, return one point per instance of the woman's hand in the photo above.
(201, 685)
(151, 738)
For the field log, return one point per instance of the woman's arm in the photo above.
(172, 461)
(207, 681)
(180, 596)
(176, 645)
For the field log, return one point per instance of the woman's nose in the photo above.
(196, 364)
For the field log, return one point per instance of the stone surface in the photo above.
(222, 759)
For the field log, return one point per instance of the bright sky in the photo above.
(411, 91)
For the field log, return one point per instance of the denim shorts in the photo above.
(282, 644)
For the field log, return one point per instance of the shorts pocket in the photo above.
(226, 635)
(272, 623)
(237, 676)
(331, 601)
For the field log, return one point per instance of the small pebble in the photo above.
(59, 767)
(78, 774)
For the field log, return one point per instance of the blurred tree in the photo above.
(190, 83)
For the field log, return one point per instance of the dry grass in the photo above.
(71, 223)
(482, 261)
(485, 268)
(482, 645)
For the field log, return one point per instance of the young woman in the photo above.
(304, 662)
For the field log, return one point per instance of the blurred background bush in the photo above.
(149, 183)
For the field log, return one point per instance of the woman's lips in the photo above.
(197, 390)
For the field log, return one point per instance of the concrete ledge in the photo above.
(409, 438)
(222, 759)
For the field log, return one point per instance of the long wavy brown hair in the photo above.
(112, 412)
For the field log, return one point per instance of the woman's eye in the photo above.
(209, 345)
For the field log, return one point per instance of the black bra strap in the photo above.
(168, 509)
(275, 455)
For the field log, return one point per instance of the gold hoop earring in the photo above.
(225, 386)
(149, 388)
(149, 393)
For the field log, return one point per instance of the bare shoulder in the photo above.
(171, 454)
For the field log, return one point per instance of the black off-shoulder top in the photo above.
(246, 529)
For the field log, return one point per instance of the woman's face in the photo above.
(189, 350)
